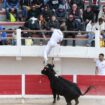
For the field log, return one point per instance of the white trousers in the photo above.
(48, 49)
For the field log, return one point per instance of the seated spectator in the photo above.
(54, 4)
(42, 22)
(33, 12)
(32, 24)
(28, 41)
(72, 25)
(102, 13)
(53, 23)
(95, 4)
(76, 12)
(91, 35)
(42, 25)
(25, 6)
(11, 5)
(61, 11)
(47, 12)
(100, 25)
(88, 15)
(80, 3)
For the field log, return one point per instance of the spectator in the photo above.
(102, 39)
(95, 7)
(102, 13)
(11, 5)
(28, 41)
(33, 12)
(42, 22)
(100, 25)
(25, 6)
(14, 38)
(42, 26)
(72, 25)
(76, 12)
(3, 36)
(100, 65)
(61, 11)
(54, 4)
(32, 24)
(53, 23)
(80, 3)
(47, 12)
(88, 15)
(91, 35)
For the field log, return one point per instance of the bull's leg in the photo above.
(58, 98)
(68, 101)
(54, 97)
(76, 101)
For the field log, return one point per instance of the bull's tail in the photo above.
(87, 90)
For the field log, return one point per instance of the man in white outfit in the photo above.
(100, 65)
(55, 40)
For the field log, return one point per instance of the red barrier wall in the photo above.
(97, 81)
(10, 84)
(38, 84)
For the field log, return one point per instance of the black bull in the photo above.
(63, 87)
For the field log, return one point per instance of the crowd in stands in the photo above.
(73, 15)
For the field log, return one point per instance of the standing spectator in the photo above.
(11, 5)
(88, 15)
(72, 25)
(76, 12)
(54, 23)
(100, 65)
(102, 13)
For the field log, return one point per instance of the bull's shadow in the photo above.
(63, 87)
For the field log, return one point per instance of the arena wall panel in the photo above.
(97, 81)
(39, 85)
(10, 85)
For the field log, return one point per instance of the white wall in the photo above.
(32, 65)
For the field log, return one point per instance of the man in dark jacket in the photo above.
(88, 15)
(33, 12)
(72, 25)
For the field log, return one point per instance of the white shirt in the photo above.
(57, 36)
(101, 67)
(90, 27)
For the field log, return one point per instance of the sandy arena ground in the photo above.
(48, 101)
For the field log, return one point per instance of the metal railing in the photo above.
(79, 40)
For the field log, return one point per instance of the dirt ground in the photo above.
(48, 101)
